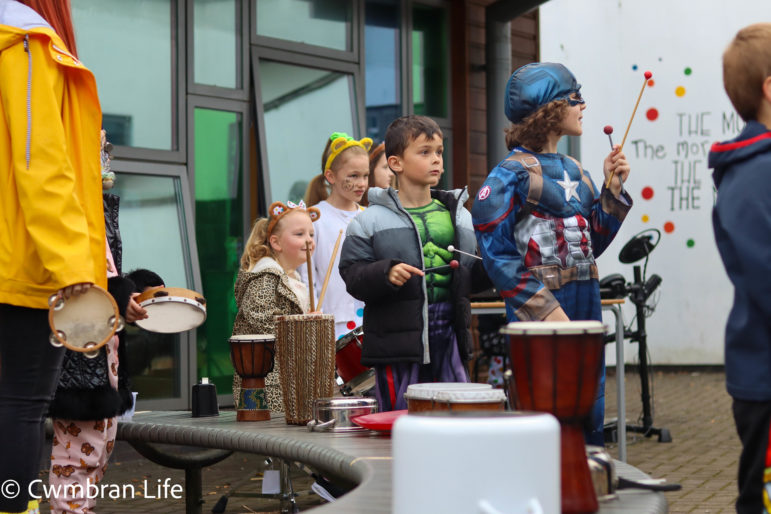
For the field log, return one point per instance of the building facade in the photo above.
(216, 108)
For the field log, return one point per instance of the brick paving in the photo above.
(693, 405)
(704, 452)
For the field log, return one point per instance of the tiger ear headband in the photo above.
(342, 141)
(278, 209)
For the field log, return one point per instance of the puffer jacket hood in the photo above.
(753, 140)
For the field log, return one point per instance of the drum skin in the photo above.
(84, 323)
(435, 396)
(171, 310)
(556, 369)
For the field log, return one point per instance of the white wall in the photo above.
(608, 45)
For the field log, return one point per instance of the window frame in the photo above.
(178, 90)
(242, 64)
(188, 364)
(292, 59)
(352, 55)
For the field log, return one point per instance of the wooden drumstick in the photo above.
(329, 269)
(310, 275)
(647, 76)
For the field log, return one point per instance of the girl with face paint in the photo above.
(337, 192)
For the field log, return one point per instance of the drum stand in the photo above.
(639, 292)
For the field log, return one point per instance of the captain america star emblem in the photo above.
(484, 193)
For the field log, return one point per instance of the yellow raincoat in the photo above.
(51, 216)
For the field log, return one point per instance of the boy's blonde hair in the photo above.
(746, 64)
(533, 130)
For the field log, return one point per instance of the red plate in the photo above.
(381, 421)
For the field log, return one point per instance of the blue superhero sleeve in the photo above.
(494, 215)
(608, 212)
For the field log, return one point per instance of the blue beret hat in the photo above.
(535, 85)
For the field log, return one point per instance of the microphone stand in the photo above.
(638, 295)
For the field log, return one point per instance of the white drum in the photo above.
(171, 309)
(421, 397)
(514, 456)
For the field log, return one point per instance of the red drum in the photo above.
(556, 368)
(348, 355)
(357, 378)
(253, 358)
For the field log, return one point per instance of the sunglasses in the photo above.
(575, 99)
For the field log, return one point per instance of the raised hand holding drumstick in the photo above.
(647, 76)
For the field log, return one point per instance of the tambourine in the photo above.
(171, 309)
(85, 322)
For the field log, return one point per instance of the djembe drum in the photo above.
(306, 356)
(556, 368)
(253, 358)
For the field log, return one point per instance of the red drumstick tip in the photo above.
(648, 75)
(454, 264)
(608, 129)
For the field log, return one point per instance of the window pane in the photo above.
(152, 224)
(318, 22)
(219, 233)
(430, 58)
(216, 43)
(134, 72)
(302, 106)
(381, 34)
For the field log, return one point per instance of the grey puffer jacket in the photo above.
(396, 318)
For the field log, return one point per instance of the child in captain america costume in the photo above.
(539, 218)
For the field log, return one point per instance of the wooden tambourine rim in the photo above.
(174, 295)
(82, 349)
(171, 292)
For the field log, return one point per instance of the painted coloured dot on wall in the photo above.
(651, 83)
(645, 218)
(680, 91)
(634, 67)
(688, 70)
(647, 193)
(652, 114)
(669, 227)
(350, 325)
(690, 243)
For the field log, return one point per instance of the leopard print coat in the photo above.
(261, 294)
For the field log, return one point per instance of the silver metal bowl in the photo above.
(335, 414)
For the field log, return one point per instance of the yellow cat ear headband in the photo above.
(279, 209)
(342, 141)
